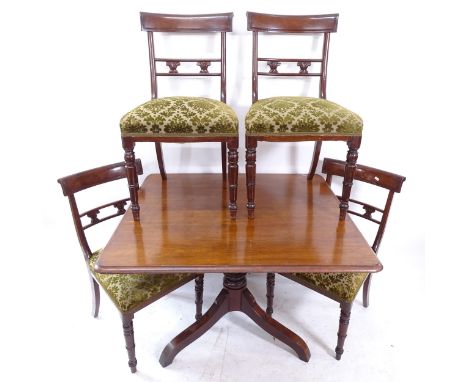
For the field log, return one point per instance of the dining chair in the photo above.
(297, 118)
(129, 292)
(344, 287)
(183, 119)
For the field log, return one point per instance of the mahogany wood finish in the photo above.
(387, 180)
(234, 297)
(262, 22)
(308, 24)
(183, 229)
(171, 23)
(127, 323)
(270, 293)
(158, 22)
(75, 183)
(345, 316)
(199, 296)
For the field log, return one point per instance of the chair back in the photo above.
(77, 182)
(207, 23)
(387, 180)
(312, 24)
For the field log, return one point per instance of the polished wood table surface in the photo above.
(185, 226)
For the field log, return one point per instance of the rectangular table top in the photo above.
(185, 226)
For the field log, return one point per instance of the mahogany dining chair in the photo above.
(344, 287)
(181, 119)
(129, 292)
(297, 118)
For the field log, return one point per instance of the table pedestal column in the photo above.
(234, 297)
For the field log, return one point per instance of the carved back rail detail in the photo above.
(203, 63)
(83, 180)
(312, 24)
(208, 23)
(387, 180)
(93, 214)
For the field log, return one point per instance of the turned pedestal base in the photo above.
(234, 297)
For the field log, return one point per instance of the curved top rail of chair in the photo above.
(262, 22)
(160, 22)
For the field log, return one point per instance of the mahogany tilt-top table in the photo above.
(185, 227)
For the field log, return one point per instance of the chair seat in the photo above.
(301, 116)
(180, 116)
(129, 290)
(342, 287)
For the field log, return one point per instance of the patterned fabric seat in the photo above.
(129, 290)
(302, 116)
(180, 116)
(339, 286)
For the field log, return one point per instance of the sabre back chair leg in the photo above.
(365, 290)
(315, 159)
(160, 157)
(224, 159)
(96, 297)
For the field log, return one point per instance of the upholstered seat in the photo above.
(182, 116)
(339, 286)
(127, 291)
(301, 115)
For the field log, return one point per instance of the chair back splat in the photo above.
(153, 22)
(313, 24)
(387, 180)
(83, 180)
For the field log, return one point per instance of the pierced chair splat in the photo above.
(344, 287)
(129, 292)
(294, 119)
(182, 119)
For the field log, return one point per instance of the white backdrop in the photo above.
(71, 69)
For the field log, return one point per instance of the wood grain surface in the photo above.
(186, 227)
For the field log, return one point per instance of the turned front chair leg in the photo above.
(250, 169)
(233, 174)
(315, 159)
(343, 329)
(270, 293)
(127, 323)
(132, 177)
(160, 158)
(198, 296)
(350, 168)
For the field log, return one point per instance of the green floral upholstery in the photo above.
(129, 290)
(301, 116)
(342, 286)
(180, 116)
